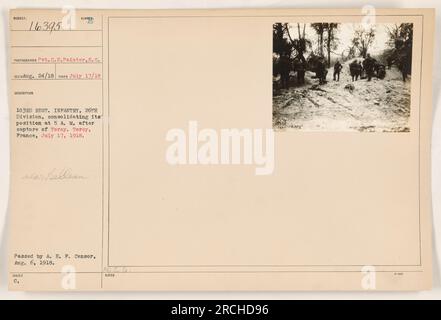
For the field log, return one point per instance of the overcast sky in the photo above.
(345, 34)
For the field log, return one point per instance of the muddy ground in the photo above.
(375, 106)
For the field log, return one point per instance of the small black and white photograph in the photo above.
(342, 76)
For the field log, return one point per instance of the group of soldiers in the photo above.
(300, 65)
(356, 68)
(285, 65)
(368, 68)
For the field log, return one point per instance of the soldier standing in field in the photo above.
(355, 70)
(300, 68)
(368, 66)
(359, 69)
(321, 70)
(337, 70)
(285, 69)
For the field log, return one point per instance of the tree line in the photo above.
(292, 42)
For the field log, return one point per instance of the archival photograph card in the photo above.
(219, 150)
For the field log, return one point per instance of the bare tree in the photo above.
(363, 39)
(320, 30)
(299, 45)
(330, 39)
(400, 32)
